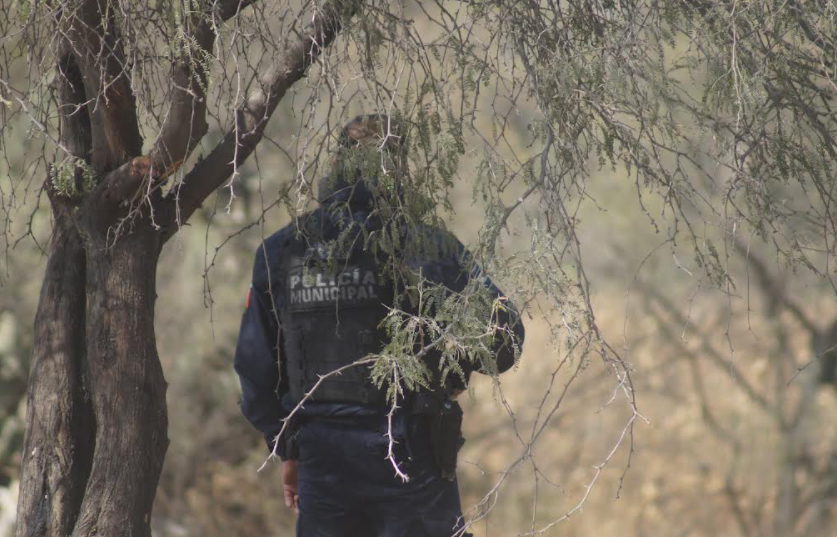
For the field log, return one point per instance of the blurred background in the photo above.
(734, 428)
(739, 428)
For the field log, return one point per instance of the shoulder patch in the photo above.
(247, 301)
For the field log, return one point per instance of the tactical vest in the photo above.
(331, 312)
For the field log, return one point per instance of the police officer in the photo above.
(321, 288)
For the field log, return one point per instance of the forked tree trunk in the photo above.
(97, 422)
(96, 430)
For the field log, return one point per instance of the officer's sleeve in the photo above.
(257, 362)
(455, 268)
(511, 332)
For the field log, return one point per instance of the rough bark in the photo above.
(127, 386)
(58, 447)
(93, 32)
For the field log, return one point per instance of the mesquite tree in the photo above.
(722, 114)
(96, 425)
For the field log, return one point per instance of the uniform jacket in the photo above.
(260, 352)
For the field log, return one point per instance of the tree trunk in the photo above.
(96, 420)
(127, 386)
(58, 446)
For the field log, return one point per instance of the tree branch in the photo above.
(91, 26)
(253, 115)
(185, 123)
(75, 131)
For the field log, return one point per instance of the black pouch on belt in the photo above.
(446, 438)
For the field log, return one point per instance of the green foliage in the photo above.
(182, 46)
(24, 9)
(439, 335)
(72, 178)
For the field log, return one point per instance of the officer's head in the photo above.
(368, 163)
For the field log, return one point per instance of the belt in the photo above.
(346, 420)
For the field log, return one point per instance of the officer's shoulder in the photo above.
(434, 241)
(270, 251)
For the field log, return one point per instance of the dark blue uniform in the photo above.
(300, 322)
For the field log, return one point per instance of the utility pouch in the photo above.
(446, 438)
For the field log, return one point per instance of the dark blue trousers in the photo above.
(347, 487)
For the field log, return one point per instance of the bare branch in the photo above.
(252, 117)
(305, 398)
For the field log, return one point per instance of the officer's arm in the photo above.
(510, 332)
(257, 362)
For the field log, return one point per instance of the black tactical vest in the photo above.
(330, 317)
